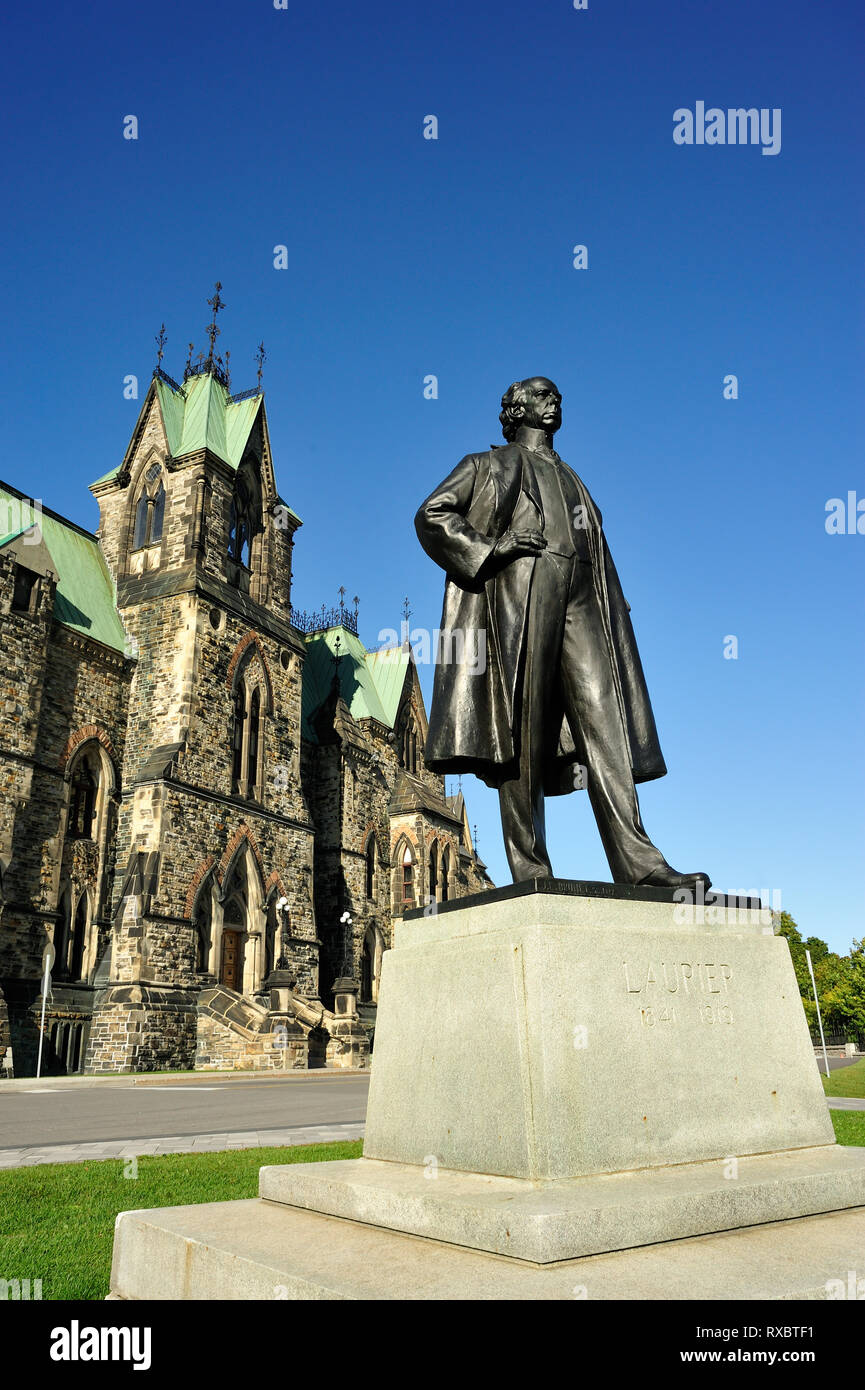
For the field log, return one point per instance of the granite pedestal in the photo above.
(562, 1071)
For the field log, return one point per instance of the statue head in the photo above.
(536, 402)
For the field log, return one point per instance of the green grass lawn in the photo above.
(57, 1219)
(849, 1127)
(846, 1081)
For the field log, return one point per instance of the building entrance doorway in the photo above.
(231, 972)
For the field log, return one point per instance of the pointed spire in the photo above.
(215, 303)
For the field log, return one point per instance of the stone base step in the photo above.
(567, 1219)
(261, 1250)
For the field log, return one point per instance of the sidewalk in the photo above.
(171, 1078)
(180, 1144)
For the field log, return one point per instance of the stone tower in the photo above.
(214, 839)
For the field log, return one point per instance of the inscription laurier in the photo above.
(689, 977)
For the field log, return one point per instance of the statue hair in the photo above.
(509, 420)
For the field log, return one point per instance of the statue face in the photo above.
(542, 409)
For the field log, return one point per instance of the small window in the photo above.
(25, 592)
(252, 755)
(407, 879)
(446, 876)
(237, 742)
(157, 515)
(370, 867)
(142, 516)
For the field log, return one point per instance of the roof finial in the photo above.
(228, 369)
(406, 608)
(260, 357)
(215, 303)
(161, 340)
(187, 371)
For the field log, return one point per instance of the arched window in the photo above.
(446, 874)
(142, 515)
(157, 515)
(434, 871)
(237, 739)
(247, 734)
(371, 856)
(62, 934)
(79, 934)
(240, 527)
(202, 920)
(244, 521)
(367, 968)
(150, 509)
(82, 798)
(407, 879)
(252, 744)
(409, 746)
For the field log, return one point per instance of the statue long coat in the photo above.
(472, 721)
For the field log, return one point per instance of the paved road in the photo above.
(126, 1112)
(836, 1062)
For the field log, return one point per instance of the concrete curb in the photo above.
(181, 1078)
(179, 1144)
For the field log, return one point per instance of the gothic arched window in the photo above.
(252, 743)
(237, 739)
(446, 875)
(434, 871)
(62, 934)
(157, 515)
(240, 526)
(409, 746)
(247, 739)
(142, 513)
(79, 933)
(150, 509)
(367, 968)
(407, 879)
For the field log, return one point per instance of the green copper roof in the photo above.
(370, 683)
(206, 419)
(85, 599)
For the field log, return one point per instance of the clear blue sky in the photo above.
(408, 256)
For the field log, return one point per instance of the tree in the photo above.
(840, 980)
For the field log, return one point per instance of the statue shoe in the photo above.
(667, 877)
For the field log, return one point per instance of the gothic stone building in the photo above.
(214, 807)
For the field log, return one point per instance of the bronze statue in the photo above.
(560, 701)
